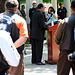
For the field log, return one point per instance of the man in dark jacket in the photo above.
(33, 9)
(37, 35)
(62, 12)
(23, 11)
(64, 37)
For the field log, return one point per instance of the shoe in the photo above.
(40, 63)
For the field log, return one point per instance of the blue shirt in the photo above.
(51, 18)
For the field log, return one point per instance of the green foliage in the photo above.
(22, 1)
(46, 1)
(59, 1)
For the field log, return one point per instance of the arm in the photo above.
(20, 42)
(54, 14)
(23, 33)
(30, 13)
(58, 13)
(42, 23)
(65, 11)
(59, 32)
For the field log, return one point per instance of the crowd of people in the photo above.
(14, 28)
(38, 27)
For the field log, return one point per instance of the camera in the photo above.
(51, 10)
(71, 57)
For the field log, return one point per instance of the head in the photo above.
(34, 4)
(73, 6)
(61, 5)
(41, 7)
(51, 9)
(23, 6)
(11, 5)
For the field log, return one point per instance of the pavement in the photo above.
(32, 69)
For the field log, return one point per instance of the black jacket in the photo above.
(38, 26)
(31, 12)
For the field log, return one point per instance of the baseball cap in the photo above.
(34, 2)
(11, 4)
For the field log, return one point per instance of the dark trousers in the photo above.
(37, 49)
(4, 72)
(63, 66)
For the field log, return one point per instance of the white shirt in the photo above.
(8, 49)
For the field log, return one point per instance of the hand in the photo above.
(46, 16)
(52, 13)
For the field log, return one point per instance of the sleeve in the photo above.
(23, 31)
(55, 14)
(66, 10)
(22, 26)
(58, 11)
(59, 32)
(30, 13)
(42, 23)
(9, 51)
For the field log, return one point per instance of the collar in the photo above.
(39, 11)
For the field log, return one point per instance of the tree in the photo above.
(59, 1)
(49, 1)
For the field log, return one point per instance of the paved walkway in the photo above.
(32, 69)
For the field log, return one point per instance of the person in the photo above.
(64, 37)
(31, 12)
(33, 9)
(37, 35)
(18, 32)
(23, 11)
(9, 55)
(18, 12)
(51, 16)
(62, 12)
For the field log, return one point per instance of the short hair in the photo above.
(60, 4)
(11, 4)
(23, 6)
(73, 4)
(40, 5)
